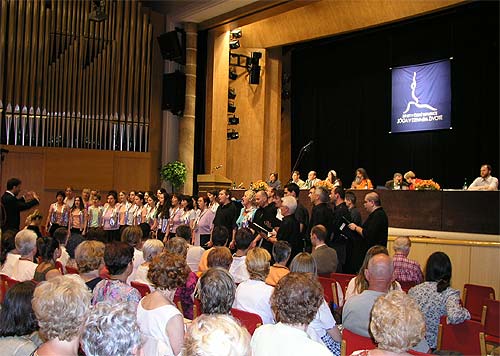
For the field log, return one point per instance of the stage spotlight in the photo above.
(254, 68)
(232, 73)
(231, 93)
(233, 120)
(234, 44)
(231, 107)
(232, 135)
(236, 33)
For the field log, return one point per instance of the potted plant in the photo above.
(175, 173)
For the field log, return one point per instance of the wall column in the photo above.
(186, 124)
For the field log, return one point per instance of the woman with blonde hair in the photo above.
(396, 325)
(248, 210)
(61, 306)
(253, 295)
(33, 222)
(359, 283)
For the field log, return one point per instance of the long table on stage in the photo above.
(454, 210)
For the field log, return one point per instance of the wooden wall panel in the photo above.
(131, 172)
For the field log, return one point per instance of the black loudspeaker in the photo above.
(172, 46)
(174, 91)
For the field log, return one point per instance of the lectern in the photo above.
(209, 182)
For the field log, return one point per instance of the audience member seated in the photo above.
(23, 269)
(273, 181)
(359, 284)
(34, 221)
(89, 256)
(253, 294)
(185, 293)
(220, 256)
(160, 322)
(61, 235)
(485, 181)
(361, 181)
(281, 254)
(194, 253)
(325, 257)
(132, 236)
(436, 298)
(322, 328)
(49, 252)
(8, 252)
(295, 302)
(61, 306)
(396, 325)
(405, 270)
(220, 236)
(216, 334)
(118, 259)
(111, 330)
(216, 291)
(18, 324)
(356, 311)
(396, 183)
(150, 249)
(238, 269)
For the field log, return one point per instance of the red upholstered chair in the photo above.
(249, 320)
(197, 311)
(417, 353)
(462, 337)
(491, 324)
(71, 270)
(141, 287)
(329, 289)
(406, 285)
(474, 296)
(352, 342)
(5, 284)
(60, 267)
(343, 280)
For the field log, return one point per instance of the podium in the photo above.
(209, 182)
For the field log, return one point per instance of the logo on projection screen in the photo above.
(421, 97)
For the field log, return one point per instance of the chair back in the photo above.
(329, 289)
(71, 270)
(5, 284)
(462, 337)
(406, 285)
(491, 324)
(352, 342)
(417, 353)
(197, 311)
(60, 267)
(342, 280)
(474, 296)
(141, 287)
(249, 320)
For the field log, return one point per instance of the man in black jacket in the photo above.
(321, 213)
(12, 205)
(376, 226)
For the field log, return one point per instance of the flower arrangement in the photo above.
(426, 184)
(259, 185)
(325, 184)
(174, 172)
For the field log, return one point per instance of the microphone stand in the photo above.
(300, 156)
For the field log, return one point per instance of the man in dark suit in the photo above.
(321, 213)
(396, 183)
(12, 205)
(289, 229)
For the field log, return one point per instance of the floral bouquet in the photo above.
(325, 184)
(259, 185)
(427, 184)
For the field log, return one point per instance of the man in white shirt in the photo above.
(485, 181)
(311, 179)
(24, 268)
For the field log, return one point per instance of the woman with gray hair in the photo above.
(24, 268)
(61, 306)
(111, 330)
(150, 249)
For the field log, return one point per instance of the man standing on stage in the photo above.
(12, 205)
(486, 181)
(376, 226)
(226, 214)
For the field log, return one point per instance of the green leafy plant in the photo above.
(175, 173)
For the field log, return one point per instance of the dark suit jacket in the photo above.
(290, 231)
(13, 207)
(322, 214)
(326, 259)
(376, 228)
(390, 185)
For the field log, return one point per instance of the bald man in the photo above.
(376, 226)
(357, 309)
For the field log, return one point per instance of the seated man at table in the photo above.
(405, 270)
(485, 181)
(396, 183)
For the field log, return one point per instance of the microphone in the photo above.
(306, 147)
